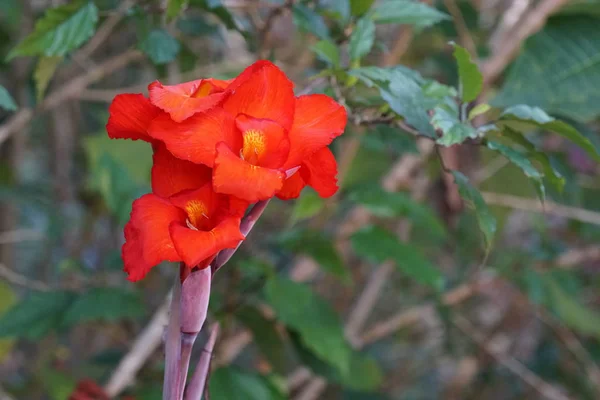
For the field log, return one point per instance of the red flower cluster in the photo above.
(218, 147)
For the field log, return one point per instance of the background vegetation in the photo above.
(458, 261)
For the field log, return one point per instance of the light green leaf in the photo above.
(6, 100)
(308, 205)
(228, 383)
(538, 117)
(453, 130)
(359, 7)
(471, 80)
(103, 303)
(59, 31)
(408, 12)
(379, 245)
(473, 199)
(320, 328)
(44, 71)
(58, 385)
(328, 52)
(174, 7)
(362, 38)
(160, 47)
(37, 314)
(309, 21)
(478, 110)
(558, 70)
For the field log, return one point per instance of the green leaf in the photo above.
(36, 315)
(44, 71)
(572, 313)
(318, 246)
(106, 303)
(471, 80)
(8, 298)
(308, 205)
(389, 137)
(360, 7)
(521, 161)
(266, 337)
(216, 8)
(58, 385)
(362, 38)
(408, 12)
(392, 205)
(228, 383)
(558, 70)
(160, 47)
(174, 7)
(379, 245)
(328, 52)
(473, 199)
(453, 131)
(312, 317)
(309, 21)
(6, 100)
(538, 117)
(478, 110)
(60, 31)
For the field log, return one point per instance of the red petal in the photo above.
(265, 143)
(320, 172)
(263, 91)
(317, 121)
(195, 138)
(171, 175)
(147, 235)
(184, 100)
(292, 187)
(130, 115)
(195, 246)
(236, 177)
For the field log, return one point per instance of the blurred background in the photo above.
(404, 285)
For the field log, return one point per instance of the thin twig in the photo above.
(17, 279)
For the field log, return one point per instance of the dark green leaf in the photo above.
(107, 304)
(309, 21)
(446, 121)
(379, 245)
(408, 12)
(312, 317)
(359, 7)
(216, 8)
(36, 315)
(362, 38)
(328, 52)
(473, 199)
(6, 100)
(229, 383)
(44, 71)
(160, 47)
(174, 7)
(266, 337)
(59, 31)
(471, 80)
(538, 117)
(308, 205)
(558, 70)
(388, 137)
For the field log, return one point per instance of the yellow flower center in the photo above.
(197, 214)
(203, 90)
(254, 146)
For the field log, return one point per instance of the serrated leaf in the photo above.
(174, 7)
(521, 161)
(228, 383)
(538, 117)
(359, 7)
(320, 328)
(266, 337)
(328, 52)
(44, 70)
(471, 80)
(160, 47)
(107, 304)
(408, 12)
(453, 130)
(318, 246)
(558, 70)
(308, 205)
(478, 110)
(36, 315)
(309, 21)
(6, 100)
(60, 31)
(362, 38)
(473, 199)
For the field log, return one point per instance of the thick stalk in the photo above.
(198, 383)
(171, 389)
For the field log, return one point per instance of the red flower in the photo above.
(182, 220)
(259, 135)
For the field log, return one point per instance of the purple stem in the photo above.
(171, 388)
(196, 387)
(245, 227)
